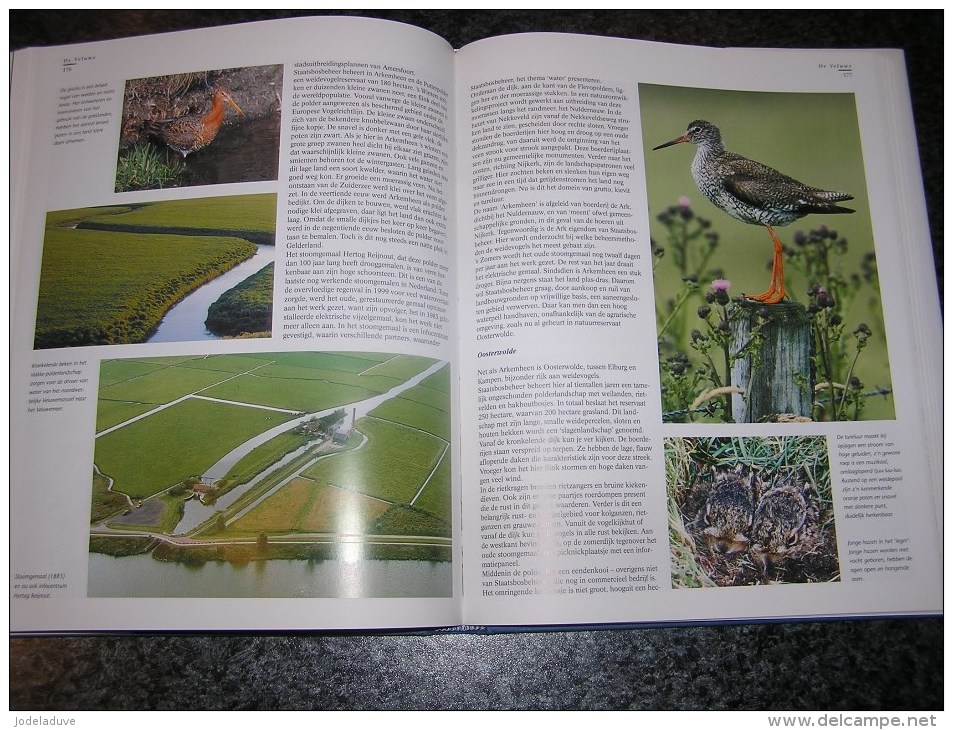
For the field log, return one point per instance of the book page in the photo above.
(233, 347)
(673, 417)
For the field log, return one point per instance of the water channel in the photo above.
(143, 576)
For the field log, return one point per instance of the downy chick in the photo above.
(728, 512)
(781, 525)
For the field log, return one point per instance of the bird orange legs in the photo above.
(775, 293)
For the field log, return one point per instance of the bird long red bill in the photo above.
(677, 140)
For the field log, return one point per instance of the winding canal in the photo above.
(185, 322)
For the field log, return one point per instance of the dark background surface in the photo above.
(882, 664)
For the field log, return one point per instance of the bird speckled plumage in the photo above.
(752, 192)
(728, 511)
(784, 525)
(192, 132)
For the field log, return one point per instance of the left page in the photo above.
(231, 331)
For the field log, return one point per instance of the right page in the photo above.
(698, 327)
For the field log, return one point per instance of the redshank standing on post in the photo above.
(753, 193)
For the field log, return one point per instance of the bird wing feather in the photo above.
(759, 185)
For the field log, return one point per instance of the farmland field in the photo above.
(345, 362)
(109, 275)
(283, 393)
(401, 367)
(392, 466)
(228, 363)
(302, 506)
(405, 410)
(110, 413)
(436, 495)
(264, 456)
(233, 215)
(116, 371)
(177, 442)
(162, 386)
(388, 474)
(425, 406)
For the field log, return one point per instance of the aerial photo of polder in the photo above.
(311, 474)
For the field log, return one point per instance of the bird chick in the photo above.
(781, 525)
(728, 512)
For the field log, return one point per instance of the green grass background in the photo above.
(180, 441)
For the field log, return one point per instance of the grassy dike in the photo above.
(246, 308)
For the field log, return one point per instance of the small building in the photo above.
(340, 437)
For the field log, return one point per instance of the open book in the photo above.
(323, 324)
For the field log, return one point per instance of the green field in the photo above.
(297, 381)
(259, 459)
(357, 370)
(129, 388)
(66, 218)
(349, 362)
(391, 466)
(228, 363)
(106, 289)
(281, 393)
(436, 497)
(434, 419)
(302, 506)
(364, 485)
(439, 381)
(400, 519)
(162, 386)
(425, 406)
(400, 367)
(117, 371)
(110, 413)
(364, 490)
(112, 278)
(183, 440)
(233, 214)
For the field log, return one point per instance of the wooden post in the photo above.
(776, 376)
